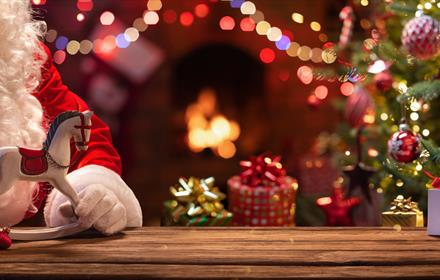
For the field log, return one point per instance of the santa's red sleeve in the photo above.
(100, 164)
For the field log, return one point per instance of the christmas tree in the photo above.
(390, 72)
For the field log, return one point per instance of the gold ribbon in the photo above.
(196, 197)
(400, 204)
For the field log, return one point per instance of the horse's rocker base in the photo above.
(45, 233)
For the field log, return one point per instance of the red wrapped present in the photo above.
(262, 195)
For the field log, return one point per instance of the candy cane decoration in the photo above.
(347, 16)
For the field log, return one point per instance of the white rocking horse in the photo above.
(48, 165)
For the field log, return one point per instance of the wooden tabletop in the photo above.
(229, 253)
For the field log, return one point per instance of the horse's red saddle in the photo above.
(33, 162)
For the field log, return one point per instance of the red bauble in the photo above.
(5, 240)
(420, 36)
(383, 81)
(337, 207)
(358, 105)
(403, 145)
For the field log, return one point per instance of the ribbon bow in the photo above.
(261, 170)
(400, 204)
(196, 197)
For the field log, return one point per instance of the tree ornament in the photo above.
(359, 106)
(404, 146)
(420, 37)
(384, 81)
(337, 208)
(5, 239)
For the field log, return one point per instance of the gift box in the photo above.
(433, 212)
(262, 195)
(196, 203)
(403, 212)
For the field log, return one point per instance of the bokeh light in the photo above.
(86, 46)
(321, 92)
(247, 24)
(140, 24)
(61, 42)
(154, 5)
(315, 26)
(107, 18)
(186, 19)
(227, 23)
(121, 41)
(80, 17)
(283, 43)
(305, 74)
(72, 47)
(263, 27)
(59, 56)
(151, 18)
(274, 34)
(84, 5)
(297, 17)
(131, 34)
(248, 8)
(201, 10)
(347, 88)
(236, 3)
(292, 51)
(305, 53)
(267, 55)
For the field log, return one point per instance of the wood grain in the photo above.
(229, 253)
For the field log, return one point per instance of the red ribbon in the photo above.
(262, 170)
(435, 180)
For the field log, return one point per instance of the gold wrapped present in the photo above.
(197, 202)
(403, 212)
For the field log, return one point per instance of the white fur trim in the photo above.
(94, 174)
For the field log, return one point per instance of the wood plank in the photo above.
(134, 271)
(244, 246)
(229, 252)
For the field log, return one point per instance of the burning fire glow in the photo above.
(209, 129)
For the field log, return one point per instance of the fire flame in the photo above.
(209, 129)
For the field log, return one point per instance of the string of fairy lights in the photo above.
(254, 20)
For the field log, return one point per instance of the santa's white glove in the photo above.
(97, 207)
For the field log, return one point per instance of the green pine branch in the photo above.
(434, 151)
(426, 90)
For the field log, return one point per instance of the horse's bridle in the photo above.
(83, 127)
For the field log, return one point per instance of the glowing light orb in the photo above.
(267, 55)
(274, 34)
(107, 18)
(305, 74)
(283, 43)
(186, 19)
(227, 23)
(247, 25)
(151, 18)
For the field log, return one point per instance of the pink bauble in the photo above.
(420, 37)
(358, 105)
(383, 81)
(404, 146)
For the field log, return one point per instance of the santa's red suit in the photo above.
(101, 163)
(32, 94)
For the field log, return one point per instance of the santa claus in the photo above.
(32, 94)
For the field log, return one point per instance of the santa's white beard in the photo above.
(21, 113)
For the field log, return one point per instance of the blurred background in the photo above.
(190, 88)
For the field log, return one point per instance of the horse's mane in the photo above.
(56, 123)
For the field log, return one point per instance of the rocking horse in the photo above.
(48, 165)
